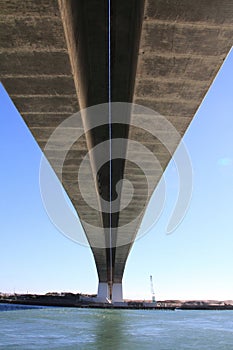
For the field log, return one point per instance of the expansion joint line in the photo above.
(110, 143)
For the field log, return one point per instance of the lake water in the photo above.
(74, 329)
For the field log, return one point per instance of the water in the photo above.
(74, 329)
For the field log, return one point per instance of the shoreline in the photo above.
(84, 301)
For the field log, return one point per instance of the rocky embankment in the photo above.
(198, 304)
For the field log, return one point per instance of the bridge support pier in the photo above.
(117, 293)
(103, 292)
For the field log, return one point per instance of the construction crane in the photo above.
(152, 290)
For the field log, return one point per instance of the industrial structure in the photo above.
(60, 57)
(152, 290)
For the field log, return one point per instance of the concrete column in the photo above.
(103, 292)
(117, 293)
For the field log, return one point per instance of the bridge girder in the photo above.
(54, 62)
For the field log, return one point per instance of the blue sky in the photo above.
(195, 262)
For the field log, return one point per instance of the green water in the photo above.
(69, 329)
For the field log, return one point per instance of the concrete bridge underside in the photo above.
(54, 62)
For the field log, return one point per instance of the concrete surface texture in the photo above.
(54, 61)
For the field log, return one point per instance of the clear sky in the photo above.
(195, 262)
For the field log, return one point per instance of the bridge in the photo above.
(61, 57)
